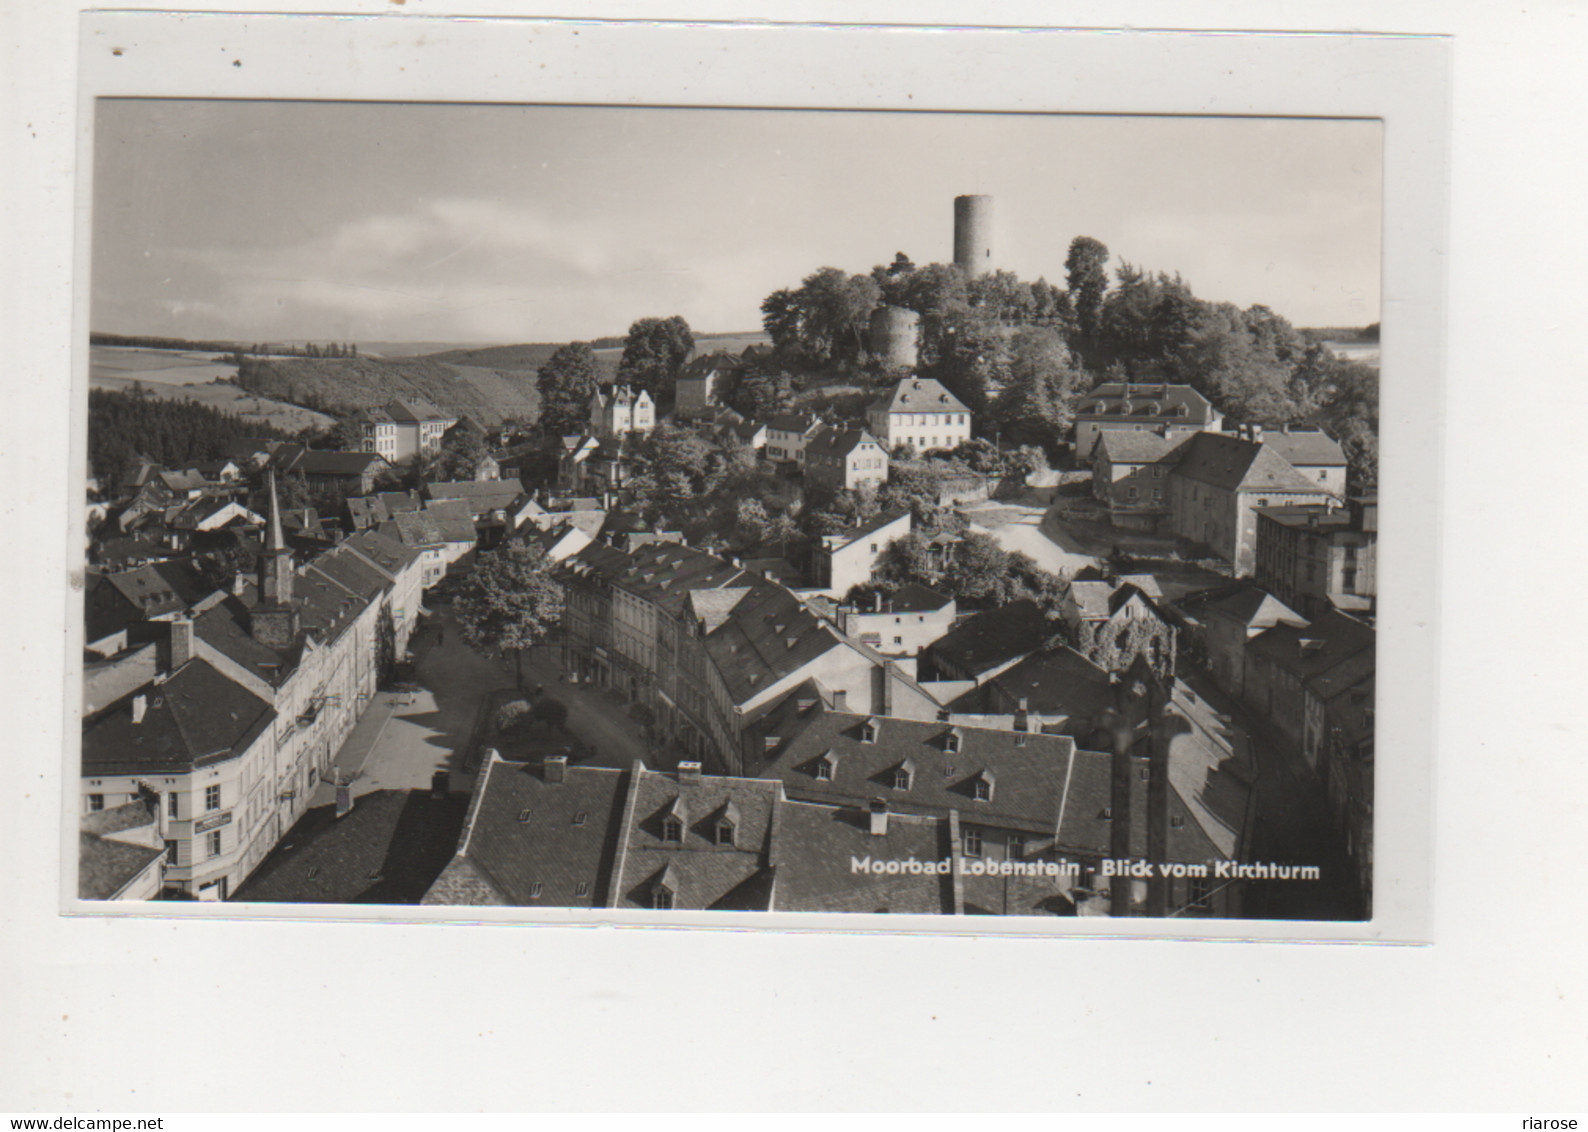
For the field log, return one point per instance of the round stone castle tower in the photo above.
(893, 337)
(973, 234)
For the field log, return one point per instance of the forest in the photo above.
(123, 426)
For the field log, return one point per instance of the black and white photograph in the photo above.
(731, 510)
(799, 555)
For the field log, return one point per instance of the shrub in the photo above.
(511, 714)
(550, 711)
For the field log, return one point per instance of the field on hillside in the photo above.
(343, 384)
(229, 399)
(154, 367)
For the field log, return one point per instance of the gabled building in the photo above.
(702, 384)
(1333, 651)
(1319, 555)
(1172, 411)
(901, 625)
(356, 473)
(844, 458)
(1130, 473)
(1114, 624)
(985, 644)
(846, 559)
(617, 410)
(919, 412)
(1220, 623)
(403, 429)
(787, 435)
(1311, 451)
(1217, 485)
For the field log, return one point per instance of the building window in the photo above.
(725, 833)
(1201, 891)
(662, 899)
(901, 778)
(983, 790)
(583, 888)
(1017, 846)
(215, 843)
(673, 831)
(170, 853)
(212, 797)
(96, 802)
(171, 804)
(824, 770)
(972, 839)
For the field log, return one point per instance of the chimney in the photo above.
(840, 700)
(879, 817)
(689, 772)
(1257, 434)
(239, 584)
(181, 642)
(942, 715)
(890, 674)
(878, 606)
(555, 768)
(1023, 715)
(140, 704)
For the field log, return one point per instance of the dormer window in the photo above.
(725, 833)
(868, 731)
(672, 831)
(662, 898)
(951, 742)
(902, 774)
(824, 768)
(982, 788)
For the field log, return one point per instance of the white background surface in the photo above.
(150, 1016)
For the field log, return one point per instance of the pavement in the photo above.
(598, 719)
(1025, 527)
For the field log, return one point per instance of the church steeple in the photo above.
(275, 561)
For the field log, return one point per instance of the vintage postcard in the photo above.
(737, 513)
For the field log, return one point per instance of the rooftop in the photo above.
(196, 717)
(920, 395)
(983, 641)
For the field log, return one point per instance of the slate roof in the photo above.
(1232, 464)
(1028, 776)
(113, 602)
(712, 607)
(920, 395)
(983, 641)
(352, 573)
(408, 410)
(482, 497)
(416, 530)
(1120, 446)
(366, 511)
(661, 572)
(1242, 602)
(1149, 401)
(767, 636)
(1312, 650)
(314, 463)
(870, 527)
(399, 502)
(701, 873)
(452, 518)
(195, 718)
(837, 442)
(389, 849)
(816, 843)
(913, 597)
(387, 553)
(106, 866)
(225, 627)
(794, 422)
(1060, 682)
(1305, 447)
(524, 832)
(1091, 599)
(1319, 516)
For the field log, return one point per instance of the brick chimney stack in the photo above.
(555, 769)
(181, 642)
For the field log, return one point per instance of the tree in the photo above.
(1086, 269)
(462, 449)
(1038, 400)
(566, 383)
(826, 319)
(509, 603)
(654, 353)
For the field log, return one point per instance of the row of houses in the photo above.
(210, 720)
(846, 811)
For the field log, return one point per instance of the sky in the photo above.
(389, 222)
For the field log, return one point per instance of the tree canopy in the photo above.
(566, 383)
(653, 354)
(509, 603)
